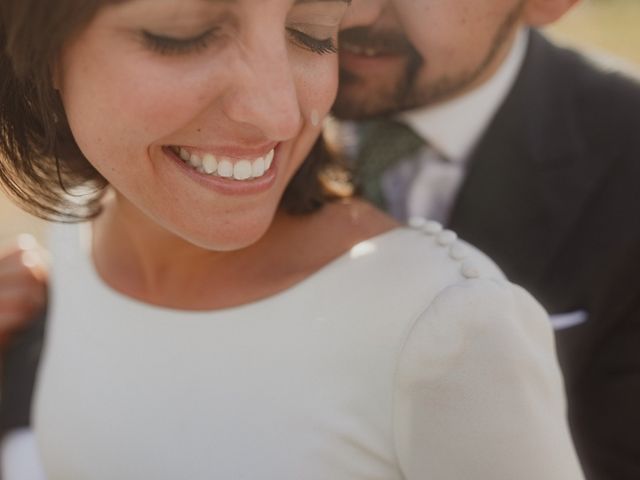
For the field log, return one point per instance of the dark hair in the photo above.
(41, 166)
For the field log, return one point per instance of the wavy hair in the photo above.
(41, 166)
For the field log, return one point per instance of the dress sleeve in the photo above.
(479, 394)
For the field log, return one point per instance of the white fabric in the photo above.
(387, 364)
(19, 456)
(562, 321)
(451, 131)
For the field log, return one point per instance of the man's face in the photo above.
(402, 54)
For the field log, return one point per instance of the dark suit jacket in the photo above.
(552, 195)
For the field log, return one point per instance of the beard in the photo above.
(406, 93)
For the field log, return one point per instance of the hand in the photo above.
(23, 284)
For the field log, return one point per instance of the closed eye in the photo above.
(166, 45)
(316, 45)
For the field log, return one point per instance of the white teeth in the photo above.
(209, 164)
(258, 168)
(184, 155)
(269, 159)
(195, 161)
(225, 169)
(242, 170)
(359, 50)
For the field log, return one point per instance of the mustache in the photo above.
(382, 40)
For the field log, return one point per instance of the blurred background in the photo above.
(606, 29)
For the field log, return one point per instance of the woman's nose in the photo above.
(264, 94)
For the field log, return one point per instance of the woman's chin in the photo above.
(227, 238)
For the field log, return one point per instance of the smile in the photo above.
(360, 50)
(373, 50)
(366, 43)
(225, 167)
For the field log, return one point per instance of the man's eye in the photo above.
(316, 45)
(165, 45)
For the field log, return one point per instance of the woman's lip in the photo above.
(227, 186)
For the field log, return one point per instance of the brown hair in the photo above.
(41, 166)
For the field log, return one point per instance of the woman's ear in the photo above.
(538, 13)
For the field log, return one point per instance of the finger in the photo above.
(22, 283)
(18, 307)
(24, 295)
(17, 276)
(19, 304)
(14, 320)
(11, 262)
(19, 265)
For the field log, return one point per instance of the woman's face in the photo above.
(199, 112)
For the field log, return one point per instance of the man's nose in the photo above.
(264, 95)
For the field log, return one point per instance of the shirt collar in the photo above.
(454, 128)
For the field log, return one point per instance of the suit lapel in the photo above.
(529, 177)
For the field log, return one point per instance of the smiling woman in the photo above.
(217, 315)
(170, 30)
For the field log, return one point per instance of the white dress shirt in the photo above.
(426, 184)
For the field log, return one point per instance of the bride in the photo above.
(221, 313)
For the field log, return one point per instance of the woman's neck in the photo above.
(139, 258)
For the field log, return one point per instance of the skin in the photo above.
(163, 237)
(424, 52)
(23, 277)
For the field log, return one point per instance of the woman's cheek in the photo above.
(318, 87)
(162, 101)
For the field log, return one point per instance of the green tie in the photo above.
(382, 144)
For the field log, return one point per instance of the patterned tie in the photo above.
(382, 144)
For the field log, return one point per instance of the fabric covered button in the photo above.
(458, 251)
(447, 237)
(469, 270)
(432, 228)
(417, 222)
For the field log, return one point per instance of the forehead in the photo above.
(203, 5)
(193, 11)
(227, 2)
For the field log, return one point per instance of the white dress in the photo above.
(399, 360)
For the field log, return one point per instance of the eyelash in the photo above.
(316, 45)
(177, 46)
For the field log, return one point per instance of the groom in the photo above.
(528, 152)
